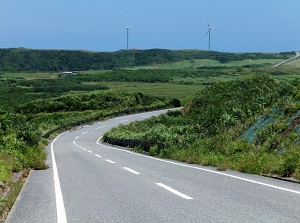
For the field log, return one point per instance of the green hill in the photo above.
(21, 59)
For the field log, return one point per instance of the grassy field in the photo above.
(181, 91)
(293, 63)
(29, 76)
(198, 63)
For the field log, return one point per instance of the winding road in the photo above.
(88, 181)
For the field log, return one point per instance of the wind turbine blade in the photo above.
(207, 33)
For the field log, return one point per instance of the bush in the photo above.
(290, 160)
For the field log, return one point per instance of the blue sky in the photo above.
(100, 25)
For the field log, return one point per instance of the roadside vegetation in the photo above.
(209, 130)
(223, 95)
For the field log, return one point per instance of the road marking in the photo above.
(202, 169)
(74, 142)
(146, 116)
(110, 161)
(130, 170)
(60, 207)
(85, 126)
(84, 148)
(98, 155)
(84, 133)
(100, 127)
(76, 137)
(116, 118)
(126, 120)
(174, 191)
(90, 151)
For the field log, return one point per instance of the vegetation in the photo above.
(52, 113)
(35, 98)
(208, 130)
(21, 59)
(21, 142)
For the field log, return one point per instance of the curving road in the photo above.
(98, 183)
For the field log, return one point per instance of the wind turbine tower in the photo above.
(208, 32)
(127, 36)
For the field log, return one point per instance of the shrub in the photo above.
(289, 162)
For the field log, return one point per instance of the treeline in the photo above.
(21, 59)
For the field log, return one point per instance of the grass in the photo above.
(293, 63)
(169, 90)
(6, 167)
(198, 63)
(29, 76)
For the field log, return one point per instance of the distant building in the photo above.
(69, 73)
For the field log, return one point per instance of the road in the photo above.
(91, 182)
(283, 62)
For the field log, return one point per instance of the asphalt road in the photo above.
(91, 182)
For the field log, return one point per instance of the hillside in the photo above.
(247, 125)
(21, 59)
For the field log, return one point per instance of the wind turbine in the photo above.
(208, 32)
(127, 36)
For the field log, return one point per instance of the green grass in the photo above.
(293, 63)
(29, 75)
(181, 91)
(198, 63)
(94, 71)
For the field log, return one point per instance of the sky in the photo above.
(100, 25)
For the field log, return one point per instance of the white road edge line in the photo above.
(130, 170)
(110, 161)
(97, 155)
(202, 169)
(174, 191)
(60, 207)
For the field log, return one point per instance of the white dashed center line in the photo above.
(98, 155)
(110, 161)
(122, 121)
(174, 191)
(130, 170)
(100, 127)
